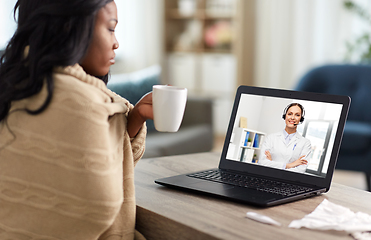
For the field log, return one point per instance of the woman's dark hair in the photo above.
(50, 33)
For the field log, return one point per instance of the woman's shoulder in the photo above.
(77, 89)
(272, 136)
(276, 134)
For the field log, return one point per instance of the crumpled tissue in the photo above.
(330, 216)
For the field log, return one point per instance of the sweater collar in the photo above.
(78, 72)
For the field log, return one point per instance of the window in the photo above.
(320, 133)
(7, 23)
(139, 32)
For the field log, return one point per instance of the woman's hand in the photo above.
(268, 155)
(298, 162)
(141, 112)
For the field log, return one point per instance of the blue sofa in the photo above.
(353, 81)
(196, 132)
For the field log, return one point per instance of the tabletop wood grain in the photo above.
(165, 213)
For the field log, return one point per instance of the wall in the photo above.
(139, 33)
(271, 118)
(262, 113)
(249, 106)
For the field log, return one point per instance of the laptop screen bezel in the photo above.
(289, 176)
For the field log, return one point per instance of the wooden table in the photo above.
(165, 213)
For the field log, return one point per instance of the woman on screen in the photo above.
(287, 149)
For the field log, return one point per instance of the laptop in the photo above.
(247, 174)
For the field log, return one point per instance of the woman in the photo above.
(287, 149)
(68, 145)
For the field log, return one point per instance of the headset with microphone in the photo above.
(294, 104)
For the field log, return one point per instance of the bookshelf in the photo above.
(200, 51)
(209, 49)
(199, 26)
(245, 145)
(199, 39)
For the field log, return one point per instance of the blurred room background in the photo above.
(213, 46)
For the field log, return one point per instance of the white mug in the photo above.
(168, 107)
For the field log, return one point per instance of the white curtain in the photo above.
(294, 36)
(139, 33)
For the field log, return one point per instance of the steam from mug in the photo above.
(168, 107)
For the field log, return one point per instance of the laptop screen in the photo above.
(287, 131)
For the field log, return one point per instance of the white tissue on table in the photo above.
(330, 216)
(261, 218)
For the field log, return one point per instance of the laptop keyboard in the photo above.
(260, 184)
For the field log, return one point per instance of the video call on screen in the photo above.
(259, 120)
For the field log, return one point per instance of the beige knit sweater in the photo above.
(68, 172)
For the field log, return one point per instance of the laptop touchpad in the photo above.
(211, 187)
